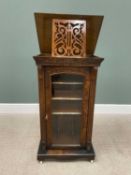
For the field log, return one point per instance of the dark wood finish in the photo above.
(44, 29)
(90, 61)
(41, 81)
(77, 71)
(71, 153)
(67, 88)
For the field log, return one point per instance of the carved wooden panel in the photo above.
(68, 38)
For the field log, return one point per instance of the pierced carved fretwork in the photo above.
(69, 38)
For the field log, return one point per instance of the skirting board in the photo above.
(33, 108)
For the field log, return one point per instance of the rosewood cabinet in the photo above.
(67, 83)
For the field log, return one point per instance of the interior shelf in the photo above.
(66, 83)
(67, 109)
(66, 98)
(66, 113)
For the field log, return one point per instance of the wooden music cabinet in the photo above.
(67, 73)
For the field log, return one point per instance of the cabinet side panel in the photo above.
(41, 83)
(91, 104)
(85, 109)
(48, 106)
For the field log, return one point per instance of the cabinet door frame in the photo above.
(85, 72)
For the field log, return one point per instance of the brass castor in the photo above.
(41, 162)
(91, 161)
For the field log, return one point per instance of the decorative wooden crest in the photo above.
(69, 38)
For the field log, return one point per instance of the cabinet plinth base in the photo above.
(65, 154)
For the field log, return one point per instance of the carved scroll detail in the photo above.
(69, 38)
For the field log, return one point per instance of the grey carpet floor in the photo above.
(19, 138)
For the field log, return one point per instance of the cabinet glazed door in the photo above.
(67, 93)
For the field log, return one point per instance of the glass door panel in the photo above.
(66, 108)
